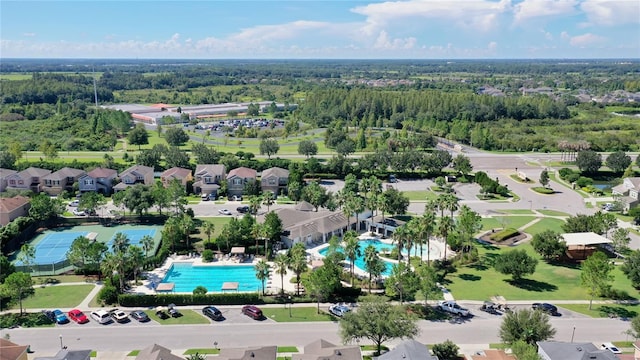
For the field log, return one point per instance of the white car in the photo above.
(609, 346)
(78, 212)
(339, 310)
(74, 203)
(224, 212)
(119, 316)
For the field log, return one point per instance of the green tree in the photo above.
(549, 244)
(395, 202)
(324, 280)
(209, 229)
(544, 178)
(282, 263)
(315, 194)
(200, 290)
(17, 285)
(175, 136)
(27, 256)
(307, 148)
(298, 262)
(630, 267)
(588, 161)
(373, 264)
(378, 321)
(596, 276)
(49, 149)
(428, 278)
(43, 207)
(516, 263)
(462, 164)
(269, 147)
(7, 160)
(346, 147)
(91, 201)
(268, 199)
(135, 256)
(447, 350)
(78, 252)
(525, 325)
(272, 229)
(138, 199)
(524, 351)
(620, 240)
(6, 268)
(138, 136)
(262, 273)
(634, 330)
(147, 243)
(445, 226)
(402, 283)
(468, 224)
(351, 249)
(618, 161)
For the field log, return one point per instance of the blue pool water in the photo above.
(187, 277)
(380, 247)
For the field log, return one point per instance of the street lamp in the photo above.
(61, 346)
(290, 304)
(573, 333)
(215, 345)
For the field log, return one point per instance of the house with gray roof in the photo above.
(28, 179)
(208, 178)
(324, 350)
(556, 350)
(99, 180)
(137, 174)
(182, 175)
(629, 192)
(248, 353)
(157, 352)
(275, 179)
(4, 174)
(63, 179)
(238, 178)
(66, 354)
(311, 227)
(408, 350)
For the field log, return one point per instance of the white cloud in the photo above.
(384, 42)
(529, 9)
(29, 34)
(565, 35)
(611, 12)
(547, 35)
(586, 40)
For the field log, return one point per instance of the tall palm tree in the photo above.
(298, 262)
(136, 256)
(147, 244)
(370, 256)
(282, 263)
(348, 208)
(262, 272)
(187, 225)
(209, 229)
(358, 207)
(120, 243)
(445, 227)
(450, 203)
(267, 199)
(254, 205)
(257, 230)
(351, 249)
(427, 222)
(400, 236)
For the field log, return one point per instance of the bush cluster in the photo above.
(504, 234)
(26, 320)
(129, 300)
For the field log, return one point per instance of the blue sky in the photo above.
(309, 29)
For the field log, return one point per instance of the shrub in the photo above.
(504, 234)
(108, 295)
(543, 190)
(207, 255)
(584, 181)
(447, 350)
(200, 290)
(130, 300)
(26, 320)
(565, 172)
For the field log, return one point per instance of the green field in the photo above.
(298, 314)
(188, 317)
(605, 310)
(57, 296)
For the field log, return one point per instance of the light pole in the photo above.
(290, 304)
(61, 346)
(573, 333)
(215, 345)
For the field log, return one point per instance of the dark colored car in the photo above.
(49, 315)
(243, 209)
(253, 312)
(545, 307)
(213, 313)
(173, 311)
(140, 315)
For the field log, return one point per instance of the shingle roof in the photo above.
(275, 171)
(34, 172)
(242, 172)
(322, 349)
(140, 169)
(10, 350)
(211, 169)
(556, 350)
(102, 173)
(408, 350)
(250, 353)
(65, 172)
(303, 223)
(157, 352)
(68, 355)
(9, 204)
(177, 172)
(6, 172)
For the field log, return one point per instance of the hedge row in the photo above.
(504, 234)
(129, 300)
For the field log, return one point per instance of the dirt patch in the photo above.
(512, 241)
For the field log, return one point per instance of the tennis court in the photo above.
(51, 246)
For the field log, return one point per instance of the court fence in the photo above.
(56, 268)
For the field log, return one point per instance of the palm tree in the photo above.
(445, 227)
(400, 236)
(370, 254)
(351, 249)
(282, 263)
(187, 225)
(209, 228)
(136, 255)
(257, 231)
(347, 208)
(262, 272)
(450, 203)
(267, 199)
(147, 244)
(120, 243)
(427, 222)
(298, 262)
(358, 207)
(254, 205)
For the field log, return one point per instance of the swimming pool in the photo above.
(187, 277)
(380, 247)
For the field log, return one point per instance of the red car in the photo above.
(78, 316)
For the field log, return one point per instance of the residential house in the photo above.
(555, 350)
(66, 354)
(4, 173)
(408, 350)
(63, 179)
(628, 191)
(492, 354)
(248, 353)
(176, 173)
(238, 178)
(156, 352)
(28, 179)
(636, 350)
(99, 180)
(13, 207)
(275, 179)
(208, 178)
(12, 351)
(137, 174)
(324, 350)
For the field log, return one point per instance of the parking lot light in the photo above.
(61, 346)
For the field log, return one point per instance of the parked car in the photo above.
(609, 346)
(74, 203)
(235, 198)
(545, 307)
(173, 311)
(204, 197)
(78, 212)
(213, 313)
(224, 212)
(61, 318)
(339, 310)
(49, 315)
(119, 316)
(101, 316)
(453, 308)
(253, 312)
(243, 209)
(140, 315)
(78, 316)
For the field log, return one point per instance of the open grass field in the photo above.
(420, 195)
(552, 213)
(298, 314)
(605, 310)
(549, 282)
(188, 317)
(545, 224)
(515, 222)
(57, 296)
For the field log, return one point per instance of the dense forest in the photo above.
(52, 99)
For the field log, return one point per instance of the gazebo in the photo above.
(582, 241)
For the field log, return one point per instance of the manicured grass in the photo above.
(543, 190)
(550, 282)
(552, 213)
(287, 349)
(57, 296)
(188, 317)
(545, 224)
(490, 223)
(298, 314)
(420, 195)
(58, 279)
(603, 310)
(202, 351)
(133, 353)
(218, 221)
(517, 212)
(513, 221)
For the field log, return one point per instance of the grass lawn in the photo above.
(490, 223)
(218, 221)
(58, 279)
(287, 349)
(513, 221)
(420, 195)
(553, 213)
(297, 314)
(550, 282)
(545, 224)
(517, 212)
(188, 317)
(57, 296)
(603, 310)
(202, 351)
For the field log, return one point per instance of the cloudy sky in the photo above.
(269, 29)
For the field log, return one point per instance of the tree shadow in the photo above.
(470, 277)
(617, 311)
(532, 285)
